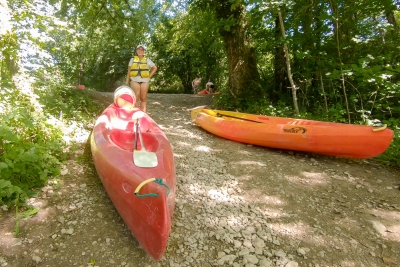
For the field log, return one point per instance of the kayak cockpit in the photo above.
(126, 140)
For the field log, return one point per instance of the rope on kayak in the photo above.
(158, 181)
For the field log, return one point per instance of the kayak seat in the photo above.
(125, 139)
(150, 141)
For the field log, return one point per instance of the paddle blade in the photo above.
(145, 159)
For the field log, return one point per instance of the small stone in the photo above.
(280, 254)
(250, 259)
(221, 254)
(276, 242)
(379, 227)
(301, 251)
(292, 264)
(36, 259)
(247, 243)
(258, 242)
(227, 258)
(244, 252)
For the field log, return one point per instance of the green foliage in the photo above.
(9, 193)
(187, 49)
(391, 156)
(64, 102)
(8, 56)
(30, 147)
(95, 47)
(23, 216)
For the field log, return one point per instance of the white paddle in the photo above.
(143, 158)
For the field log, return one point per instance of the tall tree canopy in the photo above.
(344, 55)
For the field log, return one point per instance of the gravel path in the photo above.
(236, 205)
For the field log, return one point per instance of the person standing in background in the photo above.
(210, 87)
(196, 84)
(140, 70)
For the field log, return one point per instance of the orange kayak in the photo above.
(205, 92)
(138, 175)
(328, 138)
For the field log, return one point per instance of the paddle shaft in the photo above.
(141, 138)
(217, 114)
(239, 118)
(136, 134)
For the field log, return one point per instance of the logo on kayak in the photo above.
(295, 130)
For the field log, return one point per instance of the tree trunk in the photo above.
(391, 19)
(294, 87)
(281, 79)
(244, 78)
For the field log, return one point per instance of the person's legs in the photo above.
(136, 88)
(144, 89)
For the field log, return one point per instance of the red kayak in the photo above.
(134, 160)
(205, 92)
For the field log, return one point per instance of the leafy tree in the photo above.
(99, 38)
(187, 49)
(241, 58)
(30, 147)
(8, 47)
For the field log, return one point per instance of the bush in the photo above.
(30, 147)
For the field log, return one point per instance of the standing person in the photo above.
(140, 70)
(210, 87)
(196, 84)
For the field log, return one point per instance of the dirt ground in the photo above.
(236, 205)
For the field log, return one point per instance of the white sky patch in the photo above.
(32, 55)
(4, 17)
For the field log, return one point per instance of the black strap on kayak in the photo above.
(239, 118)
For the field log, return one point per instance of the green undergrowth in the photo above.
(66, 103)
(30, 146)
(32, 130)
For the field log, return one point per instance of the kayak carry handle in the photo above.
(158, 181)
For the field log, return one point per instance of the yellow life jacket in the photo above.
(140, 67)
